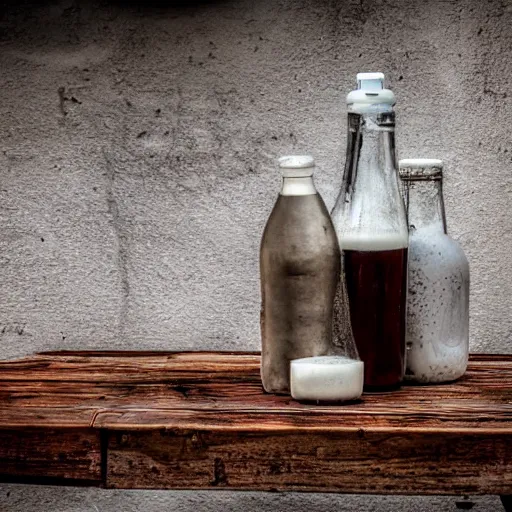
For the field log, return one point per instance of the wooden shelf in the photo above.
(200, 420)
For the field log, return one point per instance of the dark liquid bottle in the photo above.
(299, 270)
(370, 222)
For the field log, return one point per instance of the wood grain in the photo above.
(51, 454)
(343, 461)
(201, 420)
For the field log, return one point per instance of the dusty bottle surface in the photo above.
(299, 270)
(437, 332)
(370, 222)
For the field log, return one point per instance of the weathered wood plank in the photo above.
(224, 390)
(130, 369)
(477, 401)
(201, 420)
(50, 417)
(358, 462)
(59, 454)
(283, 421)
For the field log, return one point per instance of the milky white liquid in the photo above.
(298, 186)
(437, 333)
(326, 378)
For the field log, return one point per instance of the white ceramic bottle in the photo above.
(437, 325)
(299, 271)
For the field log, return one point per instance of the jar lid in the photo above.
(411, 169)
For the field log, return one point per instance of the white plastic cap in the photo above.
(370, 94)
(370, 81)
(297, 166)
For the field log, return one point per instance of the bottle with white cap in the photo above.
(370, 222)
(437, 333)
(299, 270)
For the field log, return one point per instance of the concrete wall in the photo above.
(138, 147)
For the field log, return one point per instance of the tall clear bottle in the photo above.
(370, 223)
(299, 271)
(437, 333)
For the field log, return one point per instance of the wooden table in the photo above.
(200, 420)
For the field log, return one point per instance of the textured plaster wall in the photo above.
(137, 164)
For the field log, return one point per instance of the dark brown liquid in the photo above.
(376, 285)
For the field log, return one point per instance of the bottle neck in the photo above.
(370, 212)
(425, 206)
(298, 186)
(371, 147)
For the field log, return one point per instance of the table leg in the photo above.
(507, 502)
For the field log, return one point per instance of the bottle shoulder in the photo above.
(300, 227)
(366, 224)
(436, 249)
(298, 211)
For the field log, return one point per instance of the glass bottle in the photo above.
(299, 270)
(437, 332)
(370, 222)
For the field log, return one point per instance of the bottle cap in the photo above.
(297, 166)
(420, 169)
(370, 94)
